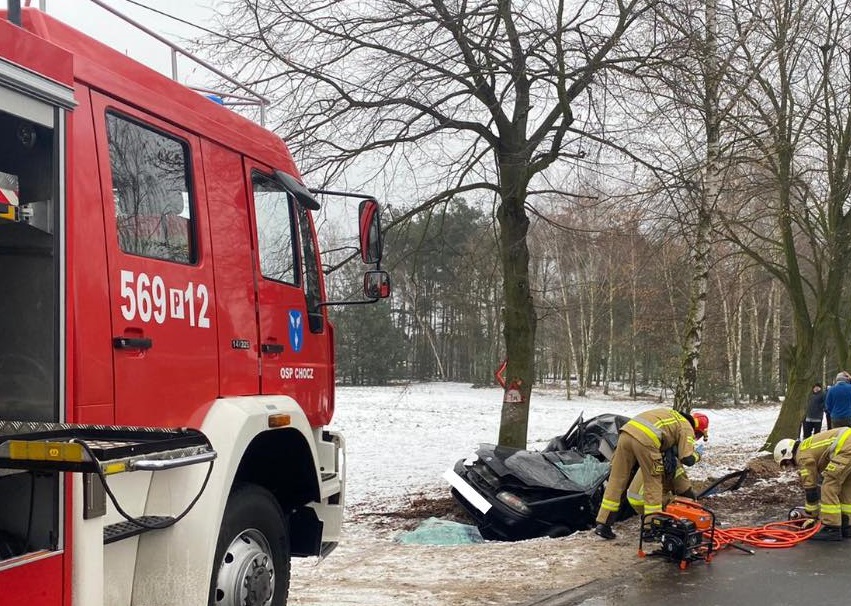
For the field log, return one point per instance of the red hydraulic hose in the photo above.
(774, 535)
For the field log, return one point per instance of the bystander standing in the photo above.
(837, 402)
(815, 412)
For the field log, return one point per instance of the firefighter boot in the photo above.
(605, 531)
(828, 533)
(846, 526)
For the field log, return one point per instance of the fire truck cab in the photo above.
(166, 358)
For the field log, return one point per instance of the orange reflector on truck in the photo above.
(22, 450)
(8, 212)
(279, 420)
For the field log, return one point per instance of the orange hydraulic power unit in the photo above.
(685, 531)
(690, 510)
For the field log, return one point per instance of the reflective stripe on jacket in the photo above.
(813, 456)
(677, 485)
(662, 428)
(815, 452)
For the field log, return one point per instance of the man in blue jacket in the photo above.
(837, 403)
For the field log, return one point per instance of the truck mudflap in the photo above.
(326, 516)
(99, 449)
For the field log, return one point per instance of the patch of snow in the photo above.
(400, 440)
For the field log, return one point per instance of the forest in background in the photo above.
(664, 180)
(609, 302)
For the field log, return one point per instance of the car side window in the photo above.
(152, 190)
(275, 234)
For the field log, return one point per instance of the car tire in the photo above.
(252, 562)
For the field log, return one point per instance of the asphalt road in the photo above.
(810, 573)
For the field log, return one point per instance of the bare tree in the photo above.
(759, 331)
(730, 278)
(686, 100)
(796, 222)
(706, 199)
(459, 96)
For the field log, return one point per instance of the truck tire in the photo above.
(252, 563)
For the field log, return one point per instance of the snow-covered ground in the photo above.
(401, 439)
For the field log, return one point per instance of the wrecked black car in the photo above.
(515, 494)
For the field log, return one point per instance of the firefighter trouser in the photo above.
(836, 489)
(671, 487)
(630, 451)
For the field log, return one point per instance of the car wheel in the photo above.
(252, 563)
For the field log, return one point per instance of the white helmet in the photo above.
(785, 450)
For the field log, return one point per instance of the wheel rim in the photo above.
(247, 572)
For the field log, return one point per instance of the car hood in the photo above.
(567, 471)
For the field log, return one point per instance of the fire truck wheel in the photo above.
(252, 565)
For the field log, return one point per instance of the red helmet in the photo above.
(701, 424)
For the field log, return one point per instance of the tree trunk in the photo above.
(774, 379)
(733, 334)
(633, 325)
(771, 303)
(611, 344)
(564, 290)
(803, 365)
(519, 317)
(588, 314)
(737, 349)
(693, 337)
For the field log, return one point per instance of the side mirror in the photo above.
(371, 242)
(376, 284)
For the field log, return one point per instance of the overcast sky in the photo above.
(100, 24)
(105, 27)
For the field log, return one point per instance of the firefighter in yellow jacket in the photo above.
(827, 453)
(676, 485)
(643, 440)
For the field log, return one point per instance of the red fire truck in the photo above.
(166, 359)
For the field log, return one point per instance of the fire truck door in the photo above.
(160, 276)
(294, 348)
(33, 544)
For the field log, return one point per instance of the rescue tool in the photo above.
(685, 531)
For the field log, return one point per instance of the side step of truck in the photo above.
(125, 530)
(98, 451)
(101, 449)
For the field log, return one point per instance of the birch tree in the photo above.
(796, 119)
(706, 199)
